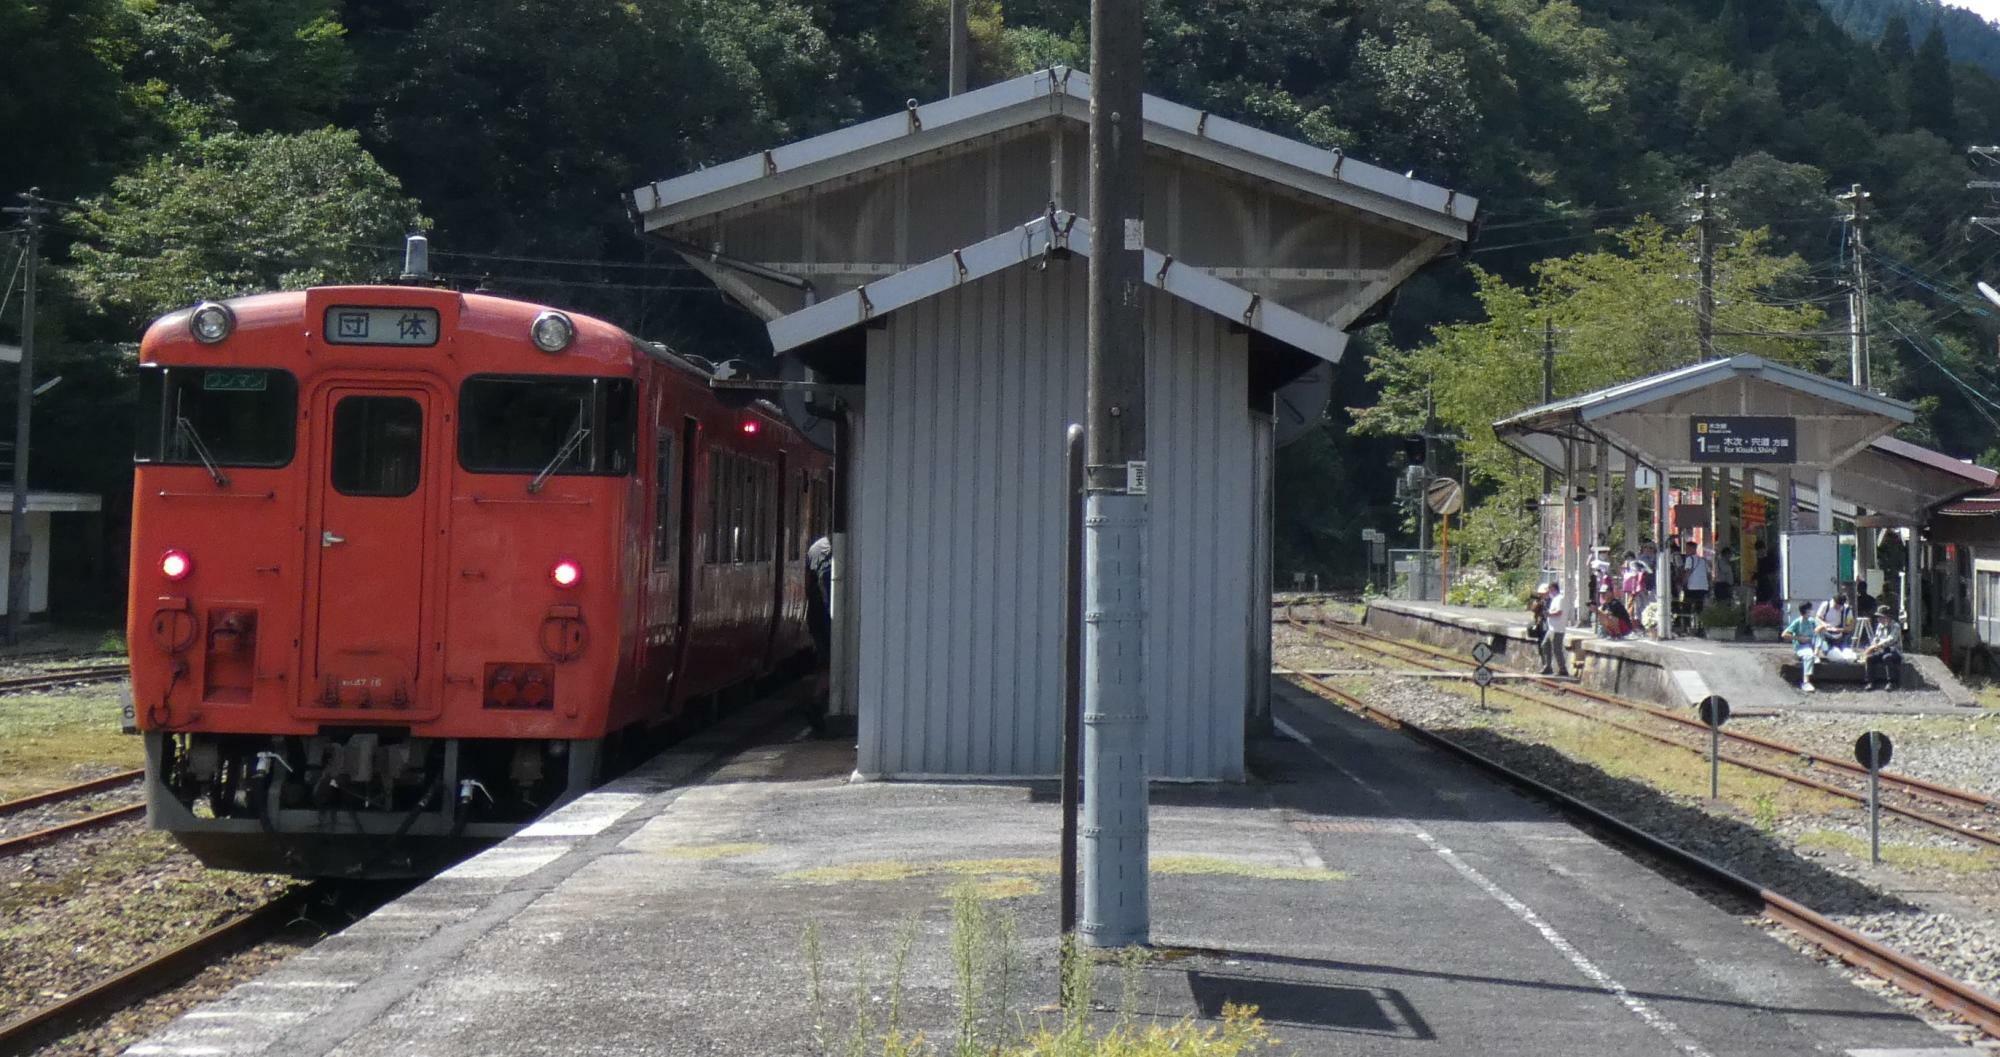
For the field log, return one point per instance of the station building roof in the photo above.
(1647, 423)
(1287, 239)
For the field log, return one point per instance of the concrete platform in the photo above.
(1682, 671)
(1370, 895)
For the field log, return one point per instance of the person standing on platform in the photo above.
(1697, 578)
(1883, 654)
(1725, 574)
(1803, 634)
(1555, 646)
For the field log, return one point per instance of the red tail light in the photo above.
(176, 565)
(566, 574)
(751, 426)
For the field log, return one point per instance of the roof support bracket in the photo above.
(1165, 263)
(916, 120)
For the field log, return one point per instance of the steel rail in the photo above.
(47, 681)
(1926, 981)
(68, 791)
(1910, 783)
(25, 1033)
(17, 845)
(1941, 824)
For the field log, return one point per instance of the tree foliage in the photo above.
(237, 213)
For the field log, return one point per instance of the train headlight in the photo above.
(211, 322)
(552, 332)
(566, 574)
(175, 564)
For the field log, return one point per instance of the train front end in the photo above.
(376, 569)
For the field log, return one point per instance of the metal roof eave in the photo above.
(1056, 232)
(1629, 396)
(1057, 91)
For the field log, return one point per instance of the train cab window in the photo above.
(233, 416)
(378, 445)
(531, 424)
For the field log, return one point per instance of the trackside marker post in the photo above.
(1873, 750)
(1482, 676)
(1714, 712)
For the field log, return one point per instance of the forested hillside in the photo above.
(1969, 37)
(214, 146)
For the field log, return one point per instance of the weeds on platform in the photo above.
(1907, 856)
(987, 968)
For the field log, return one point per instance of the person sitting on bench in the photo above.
(1803, 634)
(1883, 654)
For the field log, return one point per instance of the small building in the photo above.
(42, 508)
(932, 262)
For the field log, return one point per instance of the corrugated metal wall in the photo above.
(958, 531)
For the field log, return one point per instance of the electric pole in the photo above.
(1857, 294)
(1548, 390)
(20, 545)
(1704, 221)
(1116, 910)
(960, 48)
(1423, 496)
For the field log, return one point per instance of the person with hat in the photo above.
(1882, 655)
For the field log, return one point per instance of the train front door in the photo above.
(367, 549)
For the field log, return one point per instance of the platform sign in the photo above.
(1714, 711)
(1873, 750)
(1737, 439)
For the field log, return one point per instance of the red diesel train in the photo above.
(409, 566)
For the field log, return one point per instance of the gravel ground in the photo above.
(136, 1022)
(84, 907)
(1942, 906)
(1961, 751)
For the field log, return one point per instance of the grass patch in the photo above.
(1908, 856)
(1215, 866)
(52, 740)
(991, 888)
(706, 852)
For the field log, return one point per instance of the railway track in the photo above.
(1913, 975)
(77, 676)
(1966, 814)
(37, 838)
(112, 994)
(94, 785)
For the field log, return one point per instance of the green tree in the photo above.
(1894, 46)
(234, 214)
(1931, 91)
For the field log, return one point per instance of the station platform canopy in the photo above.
(1750, 414)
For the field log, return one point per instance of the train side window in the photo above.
(378, 445)
(225, 416)
(663, 499)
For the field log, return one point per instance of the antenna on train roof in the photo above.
(416, 259)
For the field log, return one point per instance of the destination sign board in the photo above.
(1743, 439)
(362, 325)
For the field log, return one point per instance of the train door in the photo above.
(367, 548)
(685, 553)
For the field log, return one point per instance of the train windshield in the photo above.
(544, 425)
(216, 416)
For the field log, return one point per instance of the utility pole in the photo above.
(1548, 389)
(1423, 496)
(20, 545)
(1704, 221)
(961, 58)
(1116, 911)
(1857, 294)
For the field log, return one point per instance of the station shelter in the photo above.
(928, 268)
(1735, 452)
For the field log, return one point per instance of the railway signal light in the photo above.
(175, 565)
(566, 574)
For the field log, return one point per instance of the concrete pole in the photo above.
(1630, 489)
(1913, 589)
(20, 546)
(1601, 500)
(1857, 294)
(1823, 487)
(961, 48)
(1115, 901)
(1663, 580)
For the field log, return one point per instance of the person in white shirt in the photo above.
(1696, 577)
(1555, 649)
